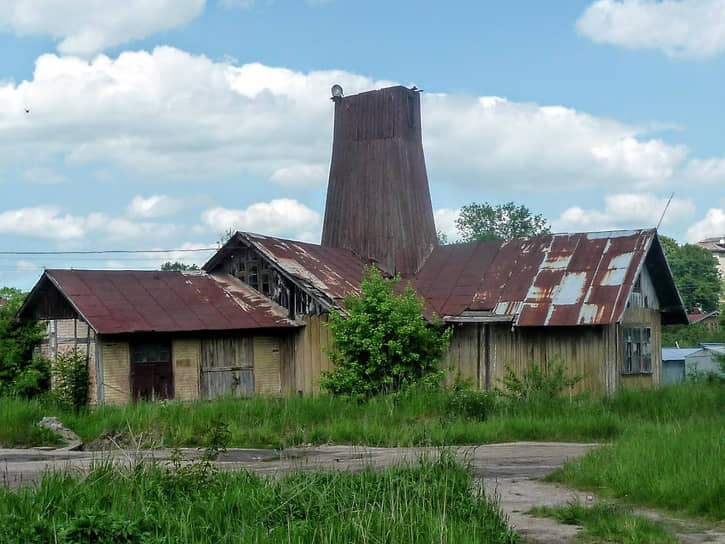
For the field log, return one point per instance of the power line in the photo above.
(106, 251)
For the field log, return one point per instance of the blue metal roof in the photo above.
(677, 354)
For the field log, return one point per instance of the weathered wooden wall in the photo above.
(582, 349)
(267, 376)
(304, 357)
(464, 355)
(227, 366)
(644, 317)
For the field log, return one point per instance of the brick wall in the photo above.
(116, 373)
(186, 355)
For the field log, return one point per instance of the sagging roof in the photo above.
(132, 301)
(549, 280)
(329, 272)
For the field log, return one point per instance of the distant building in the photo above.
(680, 363)
(716, 246)
(711, 320)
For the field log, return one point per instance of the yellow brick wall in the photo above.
(116, 373)
(267, 365)
(187, 362)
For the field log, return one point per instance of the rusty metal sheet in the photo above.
(125, 301)
(333, 272)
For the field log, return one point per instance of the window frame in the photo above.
(636, 350)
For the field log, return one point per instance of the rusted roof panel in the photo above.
(333, 272)
(557, 280)
(125, 301)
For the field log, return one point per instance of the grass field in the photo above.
(432, 502)
(668, 445)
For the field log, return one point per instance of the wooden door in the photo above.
(152, 376)
(227, 367)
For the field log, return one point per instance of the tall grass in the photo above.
(432, 502)
(417, 418)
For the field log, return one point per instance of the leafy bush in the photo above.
(384, 344)
(539, 381)
(33, 380)
(71, 379)
(17, 339)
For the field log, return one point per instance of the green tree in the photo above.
(696, 275)
(485, 221)
(384, 343)
(17, 339)
(177, 265)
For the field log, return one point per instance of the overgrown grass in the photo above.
(668, 444)
(432, 502)
(608, 523)
(678, 466)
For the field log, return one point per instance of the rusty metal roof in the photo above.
(128, 301)
(550, 280)
(332, 272)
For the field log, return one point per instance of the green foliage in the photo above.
(177, 265)
(499, 222)
(384, 344)
(71, 379)
(539, 382)
(608, 523)
(431, 501)
(696, 274)
(17, 339)
(33, 380)
(690, 336)
(442, 238)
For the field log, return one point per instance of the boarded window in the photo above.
(637, 350)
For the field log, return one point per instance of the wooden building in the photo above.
(254, 320)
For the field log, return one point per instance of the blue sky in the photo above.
(157, 124)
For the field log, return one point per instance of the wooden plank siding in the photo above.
(227, 366)
(306, 352)
(644, 317)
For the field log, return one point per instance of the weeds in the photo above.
(434, 501)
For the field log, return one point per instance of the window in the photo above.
(151, 353)
(265, 283)
(254, 276)
(637, 352)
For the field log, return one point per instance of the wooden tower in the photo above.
(378, 201)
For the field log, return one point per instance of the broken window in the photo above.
(151, 353)
(254, 276)
(265, 283)
(637, 350)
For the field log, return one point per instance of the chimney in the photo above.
(378, 201)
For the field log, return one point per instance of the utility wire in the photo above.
(106, 251)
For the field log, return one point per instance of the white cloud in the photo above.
(26, 266)
(278, 217)
(47, 222)
(540, 147)
(86, 27)
(445, 220)
(691, 28)
(712, 225)
(628, 210)
(153, 206)
(168, 114)
(43, 175)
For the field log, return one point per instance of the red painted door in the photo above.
(152, 376)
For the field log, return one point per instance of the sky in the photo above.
(161, 124)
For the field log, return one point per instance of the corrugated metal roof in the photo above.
(127, 301)
(677, 354)
(331, 271)
(550, 280)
